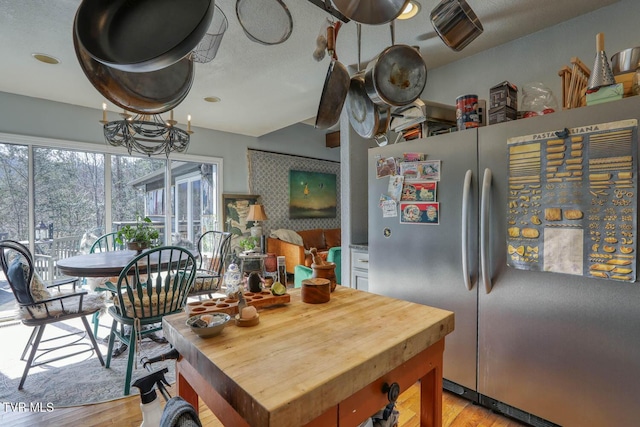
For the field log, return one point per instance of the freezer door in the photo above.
(561, 347)
(424, 263)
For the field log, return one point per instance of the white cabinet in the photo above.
(360, 269)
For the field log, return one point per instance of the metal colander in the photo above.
(265, 21)
(208, 46)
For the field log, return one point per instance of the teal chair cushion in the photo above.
(302, 272)
(334, 256)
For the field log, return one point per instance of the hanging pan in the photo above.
(371, 12)
(456, 23)
(152, 92)
(336, 85)
(367, 119)
(141, 35)
(397, 76)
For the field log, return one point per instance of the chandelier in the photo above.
(147, 134)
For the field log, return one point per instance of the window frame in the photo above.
(108, 151)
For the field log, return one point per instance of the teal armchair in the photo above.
(302, 272)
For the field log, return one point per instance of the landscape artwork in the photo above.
(312, 195)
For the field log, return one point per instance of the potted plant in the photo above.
(140, 236)
(249, 243)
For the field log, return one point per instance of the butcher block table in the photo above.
(319, 365)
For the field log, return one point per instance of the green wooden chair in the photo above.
(148, 290)
(105, 243)
(302, 272)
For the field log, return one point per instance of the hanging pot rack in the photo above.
(328, 7)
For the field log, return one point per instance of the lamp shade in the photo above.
(256, 213)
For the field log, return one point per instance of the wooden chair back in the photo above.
(149, 289)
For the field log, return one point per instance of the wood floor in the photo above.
(125, 412)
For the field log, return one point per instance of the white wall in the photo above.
(47, 119)
(538, 57)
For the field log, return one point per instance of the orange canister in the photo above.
(467, 112)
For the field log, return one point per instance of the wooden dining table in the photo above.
(330, 364)
(104, 264)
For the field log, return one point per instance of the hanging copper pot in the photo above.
(336, 85)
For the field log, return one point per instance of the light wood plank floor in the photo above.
(125, 412)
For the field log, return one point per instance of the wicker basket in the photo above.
(208, 46)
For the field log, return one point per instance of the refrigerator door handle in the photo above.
(466, 194)
(484, 229)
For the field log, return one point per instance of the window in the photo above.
(57, 197)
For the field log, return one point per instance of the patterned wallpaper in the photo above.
(269, 178)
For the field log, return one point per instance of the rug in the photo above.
(78, 380)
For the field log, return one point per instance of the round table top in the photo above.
(104, 264)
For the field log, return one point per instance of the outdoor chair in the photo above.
(213, 247)
(43, 266)
(105, 243)
(147, 290)
(39, 308)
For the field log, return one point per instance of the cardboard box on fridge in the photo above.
(503, 94)
(502, 114)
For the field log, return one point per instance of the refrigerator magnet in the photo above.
(385, 167)
(419, 213)
(419, 191)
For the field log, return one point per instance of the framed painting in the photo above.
(235, 211)
(312, 194)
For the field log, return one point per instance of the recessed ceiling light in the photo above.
(47, 59)
(410, 10)
(212, 99)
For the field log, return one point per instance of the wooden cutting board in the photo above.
(230, 305)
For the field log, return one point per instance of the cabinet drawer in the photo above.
(360, 260)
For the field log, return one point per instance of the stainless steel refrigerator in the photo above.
(539, 346)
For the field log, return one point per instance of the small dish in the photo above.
(247, 322)
(215, 324)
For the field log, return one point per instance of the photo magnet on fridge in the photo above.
(419, 213)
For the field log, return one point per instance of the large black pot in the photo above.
(152, 92)
(141, 35)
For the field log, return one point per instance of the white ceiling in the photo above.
(262, 88)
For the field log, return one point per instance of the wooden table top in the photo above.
(102, 264)
(302, 359)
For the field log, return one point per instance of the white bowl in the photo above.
(214, 327)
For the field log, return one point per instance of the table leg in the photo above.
(431, 393)
(184, 389)
(425, 367)
(192, 385)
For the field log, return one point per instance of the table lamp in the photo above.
(256, 214)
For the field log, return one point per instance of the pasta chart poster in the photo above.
(572, 201)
